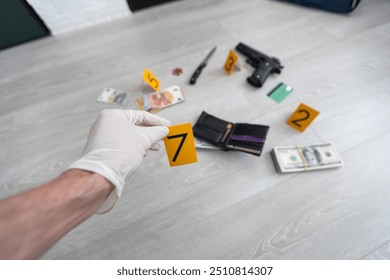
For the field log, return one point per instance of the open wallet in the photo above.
(244, 137)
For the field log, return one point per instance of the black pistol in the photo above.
(263, 64)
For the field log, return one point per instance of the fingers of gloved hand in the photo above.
(145, 118)
(116, 145)
(153, 134)
(155, 147)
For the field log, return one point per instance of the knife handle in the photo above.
(197, 73)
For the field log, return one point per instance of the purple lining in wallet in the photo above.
(247, 138)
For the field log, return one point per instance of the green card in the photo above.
(280, 92)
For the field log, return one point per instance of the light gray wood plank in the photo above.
(382, 253)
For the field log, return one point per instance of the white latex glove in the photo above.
(117, 143)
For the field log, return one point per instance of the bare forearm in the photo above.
(33, 221)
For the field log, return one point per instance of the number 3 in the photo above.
(229, 64)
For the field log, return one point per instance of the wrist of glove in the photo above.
(117, 144)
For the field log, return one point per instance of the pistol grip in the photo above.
(260, 75)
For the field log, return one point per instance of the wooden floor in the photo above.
(229, 205)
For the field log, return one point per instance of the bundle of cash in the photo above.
(313, 157)
(155, 101)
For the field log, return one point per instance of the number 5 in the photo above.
(153, 80)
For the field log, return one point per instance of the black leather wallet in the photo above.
(244, 137)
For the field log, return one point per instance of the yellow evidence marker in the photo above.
(302, 117)
(231, 62)
(180, 145)
(151, 80)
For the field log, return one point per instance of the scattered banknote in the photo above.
(162, 99)
(313, 157)
(200, 144)
(114, 96)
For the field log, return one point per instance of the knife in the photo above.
(201, 66)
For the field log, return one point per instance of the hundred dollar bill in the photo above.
(162, 99)
(313, 157)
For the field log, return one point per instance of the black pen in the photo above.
(201, 66)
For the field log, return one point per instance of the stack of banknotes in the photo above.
(153, 102)
(306, 158)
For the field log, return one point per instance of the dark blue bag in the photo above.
(339, 6)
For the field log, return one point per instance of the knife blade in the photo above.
(198, 70)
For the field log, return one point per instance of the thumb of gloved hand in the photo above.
(117, 144)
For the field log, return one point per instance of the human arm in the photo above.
(33, 221)
(117, 143)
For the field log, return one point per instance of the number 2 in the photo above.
(302, 117)
(296, 122)
(184, 136)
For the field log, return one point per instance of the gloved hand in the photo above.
(117, 143)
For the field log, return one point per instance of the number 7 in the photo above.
(184, 136)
